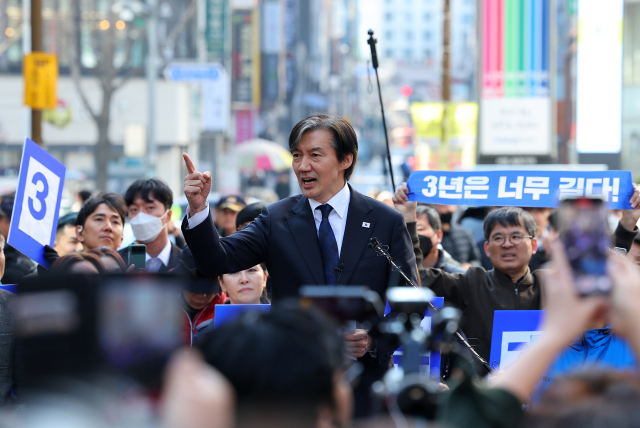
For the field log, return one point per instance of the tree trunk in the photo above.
(103, 149)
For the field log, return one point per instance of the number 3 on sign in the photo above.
(40, 192)
(38, 214)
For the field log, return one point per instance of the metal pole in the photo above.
(446, 83)
(152, 77)
(26, 48)
(374, 61)
(36, 46)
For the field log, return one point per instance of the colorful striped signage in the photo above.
(515, 49)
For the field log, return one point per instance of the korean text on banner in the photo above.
(519, 188)
(40, 72)
(35, 212)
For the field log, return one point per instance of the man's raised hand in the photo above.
(631, 217)
(197, 186)
(402, 203)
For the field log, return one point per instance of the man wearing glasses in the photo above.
(510, 235)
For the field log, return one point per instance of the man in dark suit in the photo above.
(7, 345)
(149, 202)
(317, 238)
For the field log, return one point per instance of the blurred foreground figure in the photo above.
(286, 367)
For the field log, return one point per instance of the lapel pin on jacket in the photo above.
(365, 224)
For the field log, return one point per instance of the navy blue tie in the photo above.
(328, 245)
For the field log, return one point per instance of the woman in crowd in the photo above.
(111, 260)
(247, 287)
(78, 263)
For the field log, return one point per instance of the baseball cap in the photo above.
(198, 282)
(6, 207)
(234, 203)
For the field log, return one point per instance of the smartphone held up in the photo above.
(585, 233)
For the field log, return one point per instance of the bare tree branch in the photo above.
(74, 62)
(180, 25)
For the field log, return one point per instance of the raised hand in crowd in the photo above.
(402, 203)
(197, 186)
(630, 217)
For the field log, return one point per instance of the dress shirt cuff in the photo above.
(197, 218)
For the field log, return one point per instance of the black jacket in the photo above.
(285, 237)
(174, 258)
(17, 265)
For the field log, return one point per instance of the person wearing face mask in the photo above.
(149, 202)
(456, 240)
(247, 287)
(428, 230)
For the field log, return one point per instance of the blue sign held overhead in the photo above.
(35, 211)
(186, 72)
(542, 189)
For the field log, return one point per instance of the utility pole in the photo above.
(446, 85)
(36, 46)
(152, 77)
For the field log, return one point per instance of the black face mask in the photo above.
(446, 218)
(426, 245)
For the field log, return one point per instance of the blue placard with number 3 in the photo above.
(35, 211)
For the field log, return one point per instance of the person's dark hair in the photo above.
(112, 200)
(593, 398)
(108, 252)
(284, 359)
(84, 195)
(509, 216)
(68, 219)
(432, 216)
(158, 189)
(344, 139)
(249, 213)
(64, 263)
(554, 220)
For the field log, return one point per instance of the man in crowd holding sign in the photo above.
(318, 238)
(510, 235)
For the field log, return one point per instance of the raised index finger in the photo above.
(187, 160)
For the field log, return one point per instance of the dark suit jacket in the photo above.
(174, 258)
(285, 237)
(6, 347)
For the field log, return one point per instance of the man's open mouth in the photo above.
(308, 180)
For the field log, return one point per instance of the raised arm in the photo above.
(627, 230)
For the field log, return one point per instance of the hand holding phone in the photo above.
(138, 255)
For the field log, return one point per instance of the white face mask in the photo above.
(146, 228)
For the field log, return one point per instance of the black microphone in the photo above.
(372, 44)
(339, 269)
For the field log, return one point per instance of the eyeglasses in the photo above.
(499, 240)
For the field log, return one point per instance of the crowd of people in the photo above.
(292, 366)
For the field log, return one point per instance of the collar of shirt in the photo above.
(164, 254)
(339, 202)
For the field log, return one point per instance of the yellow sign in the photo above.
(40, 72)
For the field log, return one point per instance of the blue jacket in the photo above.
(599, 348)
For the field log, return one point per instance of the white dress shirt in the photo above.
(163, 258)
(337, 216)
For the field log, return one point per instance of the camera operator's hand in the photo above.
(402, 203)
(630, 217)
(359, 343)
(197, 186)
(195, 395)
(625, 300)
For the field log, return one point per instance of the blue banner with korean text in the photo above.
(519, 188)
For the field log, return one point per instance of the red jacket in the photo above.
(202, 322)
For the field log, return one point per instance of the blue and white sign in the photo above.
(35, 212)
(431, 360)
(194, 72)
(519, 188)
(513, 331)
(226, 313)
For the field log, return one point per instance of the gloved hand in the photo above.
(50, 255)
